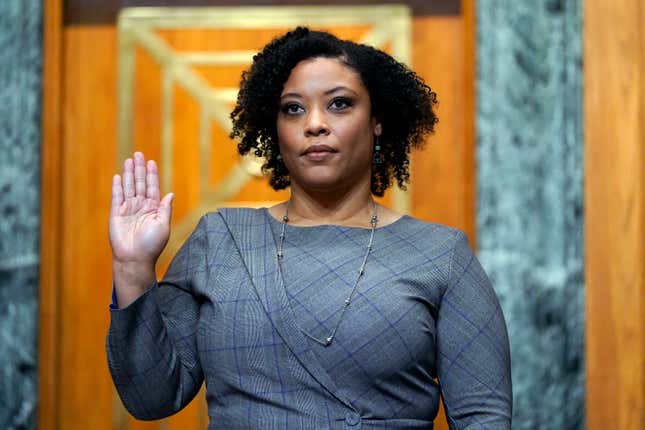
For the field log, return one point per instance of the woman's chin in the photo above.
(328, 184)
(321, 183)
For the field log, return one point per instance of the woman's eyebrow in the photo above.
(340, 88)
(295, 95)
(331, 91)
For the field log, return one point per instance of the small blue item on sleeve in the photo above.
(114, 304)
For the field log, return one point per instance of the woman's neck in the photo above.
(353, 207)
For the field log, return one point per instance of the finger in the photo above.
(128, 178)
(152, 181)
(117, 195)
(165, 207)
(139, 174)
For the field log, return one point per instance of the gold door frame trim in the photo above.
(390, 24)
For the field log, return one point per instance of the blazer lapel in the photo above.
(251, 232)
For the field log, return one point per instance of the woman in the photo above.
(327, 310)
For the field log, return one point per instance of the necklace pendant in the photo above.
(328, 340)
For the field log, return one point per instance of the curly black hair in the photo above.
(400, 99)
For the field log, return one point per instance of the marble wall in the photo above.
(20, 95)
(530, 207)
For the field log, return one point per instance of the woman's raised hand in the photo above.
(139, 221)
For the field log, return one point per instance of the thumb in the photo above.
(165, 207)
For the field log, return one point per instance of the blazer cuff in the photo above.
(141, 309)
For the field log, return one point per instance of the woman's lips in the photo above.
(318, 152)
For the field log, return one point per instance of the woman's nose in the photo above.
(316, 123)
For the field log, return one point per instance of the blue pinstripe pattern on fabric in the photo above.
(424, 321)
(350, 355)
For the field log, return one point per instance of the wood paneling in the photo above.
(614, 65)
(442, 187)
(50, 218)
(89, 136)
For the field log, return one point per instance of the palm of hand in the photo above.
(138, 231)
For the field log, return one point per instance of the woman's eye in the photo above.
(291, 109)
(340, 103)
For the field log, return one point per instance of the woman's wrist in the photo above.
(131, 280)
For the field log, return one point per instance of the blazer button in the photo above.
(352, 418)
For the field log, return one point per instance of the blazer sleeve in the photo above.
(473, 357)
(151, 344)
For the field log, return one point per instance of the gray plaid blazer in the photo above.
(425, 324)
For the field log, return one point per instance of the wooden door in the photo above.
(162, 81)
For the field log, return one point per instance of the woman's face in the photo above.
(325, 126)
